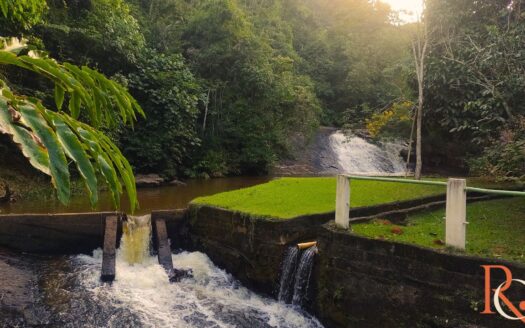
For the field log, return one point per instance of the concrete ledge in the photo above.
(356, 281)
(373, 283)
(70, 233)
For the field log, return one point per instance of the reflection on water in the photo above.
(158, 198)
(69, 294)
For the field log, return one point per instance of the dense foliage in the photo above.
(169, 94)
(476, 80)
(226, 84)
(263, 76)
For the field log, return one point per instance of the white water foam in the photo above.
(211, 299)
(358, 156)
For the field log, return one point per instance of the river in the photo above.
(154, 198)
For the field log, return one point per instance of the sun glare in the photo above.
(409, 9)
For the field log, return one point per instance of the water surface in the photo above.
(67, 292)
(154, 198)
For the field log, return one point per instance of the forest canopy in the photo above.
(227, 84)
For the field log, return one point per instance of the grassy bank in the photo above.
(496, 229)
(290, 197)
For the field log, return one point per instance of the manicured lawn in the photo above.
(290, 197)
(496, 229)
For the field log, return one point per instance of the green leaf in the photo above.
(104, 164)
(74, 150)
(32, 118)
(59, 96)
(25, 140)
(3, 6)
(97, 94)
(74, 104)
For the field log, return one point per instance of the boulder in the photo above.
(176, 182)
(148, 180)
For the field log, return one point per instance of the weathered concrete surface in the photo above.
(53, 233)
(110, 249)
(357, 282)
(361, 282)
(247, 247)
(163, 245)
(176, 225)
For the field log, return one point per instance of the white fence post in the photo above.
(456, 213)
(342, 202)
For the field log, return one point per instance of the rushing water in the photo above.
(288, 269)
(158, 198)
(136, 238)
(69, 294)
(302, 276)
(295, 275)
(358, 156)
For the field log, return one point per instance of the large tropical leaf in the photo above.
(87, 89)
(49, 139)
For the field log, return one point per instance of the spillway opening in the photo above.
(296, 273)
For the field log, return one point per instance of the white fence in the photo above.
(456, 206)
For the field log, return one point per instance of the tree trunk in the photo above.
(206, 111)
(419, 120)
(419, 48)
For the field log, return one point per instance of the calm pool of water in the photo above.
(158, 198)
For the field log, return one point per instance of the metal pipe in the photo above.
(437, 183)
(306, 245)
(496, 191)
(412, 181)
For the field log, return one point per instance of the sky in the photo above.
(413, 6)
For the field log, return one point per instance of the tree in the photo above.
(48, 139)
(474, 84)
(169, 94)
(419, 48)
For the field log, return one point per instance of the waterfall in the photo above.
(295, 275)
(287, 274)
(136, 237)
(358, 156)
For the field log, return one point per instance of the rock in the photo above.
(177, 275)
(176, 182)
(148, 180)
(397, 231)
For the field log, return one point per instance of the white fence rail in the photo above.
(456, 206)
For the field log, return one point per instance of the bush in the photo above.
(505, 158)
(395, 122)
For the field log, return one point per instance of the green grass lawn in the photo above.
(290, 197)
(496, 229)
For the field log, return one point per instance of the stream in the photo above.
(150, 198)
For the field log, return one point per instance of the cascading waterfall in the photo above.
(136, 238)
(295, 275)
(358, 156)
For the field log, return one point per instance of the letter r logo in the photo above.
(498, 294)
